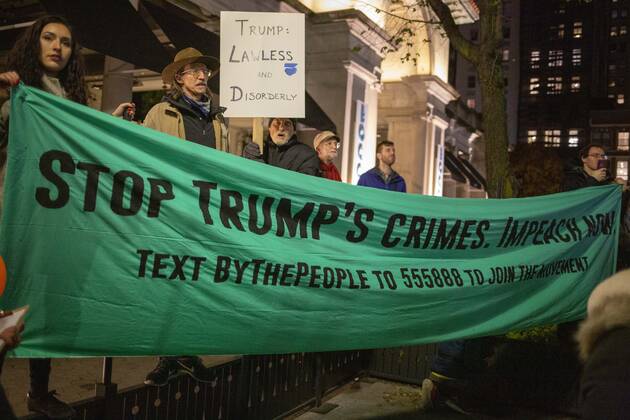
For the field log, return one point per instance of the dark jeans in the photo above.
(463, 359)
(39, 370)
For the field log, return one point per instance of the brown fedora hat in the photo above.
(188, 56)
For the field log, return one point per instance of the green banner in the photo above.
(126, 241)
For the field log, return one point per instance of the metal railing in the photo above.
(251, 387)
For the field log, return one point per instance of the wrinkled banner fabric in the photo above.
(126, 241)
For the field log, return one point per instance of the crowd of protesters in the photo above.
(48, 57)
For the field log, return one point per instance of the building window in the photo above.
(506, 54)
(471, 103)
(577, 30)
(612, 83)
(576, 58)
(534, 85)
(624, 12)
(554, 85)
(534, 59)
(557, 32)
(555, 58)
(472, 82)
(613, 31)
(612, 67)
(531, 136)
(574, 137)
(622, 169)
(575, 83)
(613, 14)
(623, 30)
(621, 98)
(623, 140)
(552, 138)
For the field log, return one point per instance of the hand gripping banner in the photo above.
(126, 241)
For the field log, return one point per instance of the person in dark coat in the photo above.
(283, 150)
(604, 340)
(593, 172)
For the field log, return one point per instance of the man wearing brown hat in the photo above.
(187, 111)
(326, 144)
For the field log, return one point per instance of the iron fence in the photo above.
(251, 387)
(409, 364)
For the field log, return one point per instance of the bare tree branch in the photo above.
(467, 49)
(402, 18)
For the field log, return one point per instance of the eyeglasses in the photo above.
(197, 72)
(598, 155)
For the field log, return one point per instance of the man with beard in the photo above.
(283, 150)
(187, 111)
(382, 175)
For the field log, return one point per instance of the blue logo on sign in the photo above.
(290, 68)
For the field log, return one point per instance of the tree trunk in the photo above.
(490, 72)
(495, 129)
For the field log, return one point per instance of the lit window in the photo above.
(576, 58)
(552, 138)
(557, 32)
(612, 83)
(554, 85)
(623, 140)
(621, 98)
(613, 31)
(622, 169)
(470, 103)
(577, 30)
(534, 59)
(506, 54)
(623, 30)
(531, 136)
(555, 58)
(612, 67)
(574, 138)
(534, 85)
(575, 84)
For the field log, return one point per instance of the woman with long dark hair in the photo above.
(47, 56)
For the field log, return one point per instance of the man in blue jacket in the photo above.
(382, 175)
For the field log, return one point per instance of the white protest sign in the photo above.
(262, 64)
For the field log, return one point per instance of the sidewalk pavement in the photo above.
(74, 379)
(384, 400)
